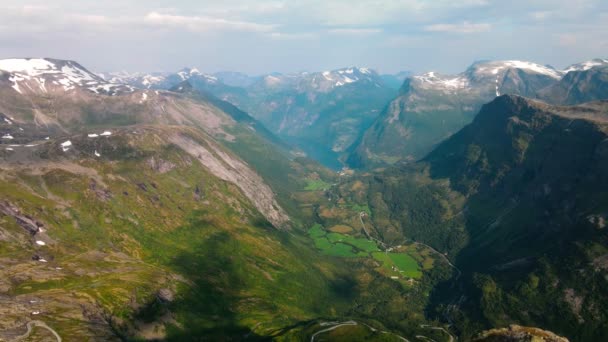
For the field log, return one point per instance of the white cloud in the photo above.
(378, 12)
(355, 31)
(465, 27)
(292, 36)
(256, 8)
(203, 24)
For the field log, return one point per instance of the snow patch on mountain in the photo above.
(432, 79)
(32, 67)
(25, 74)
(65, 146)
(340, 77)
(480, 74)
(140, 80)
(499, 66)
(189, 73)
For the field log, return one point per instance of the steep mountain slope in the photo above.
(534, 175)
(516, 201)
(431, 107)
(58, 107)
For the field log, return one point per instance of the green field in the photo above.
(316, 185)
(340, 245)
(347, 246)
(405, 264)
(361, 244)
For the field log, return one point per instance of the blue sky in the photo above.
(303, 35)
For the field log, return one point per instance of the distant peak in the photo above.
(42, 74)
(355, 70)
(496, 67)
(187, 73)
(584, 66)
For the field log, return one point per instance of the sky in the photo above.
(264, 36)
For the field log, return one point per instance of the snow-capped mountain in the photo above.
(189, 73)
(27, 75)
(341, 77)
(319, 81)
(139, 80)
(584, 66)
(158, 80)
(432, 106)
(504, 76)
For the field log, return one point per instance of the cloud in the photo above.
(292, 36)
(465, 28)
(355, 31)
(541, 15)
(255, 8)
(203, 24)
(379, 12)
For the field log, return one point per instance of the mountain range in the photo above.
(321, 113)
(346, 116)
(189, 206)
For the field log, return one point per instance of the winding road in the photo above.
(30, 328)
(336, 325)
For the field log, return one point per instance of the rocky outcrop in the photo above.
(516, 333)
(27, 222)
